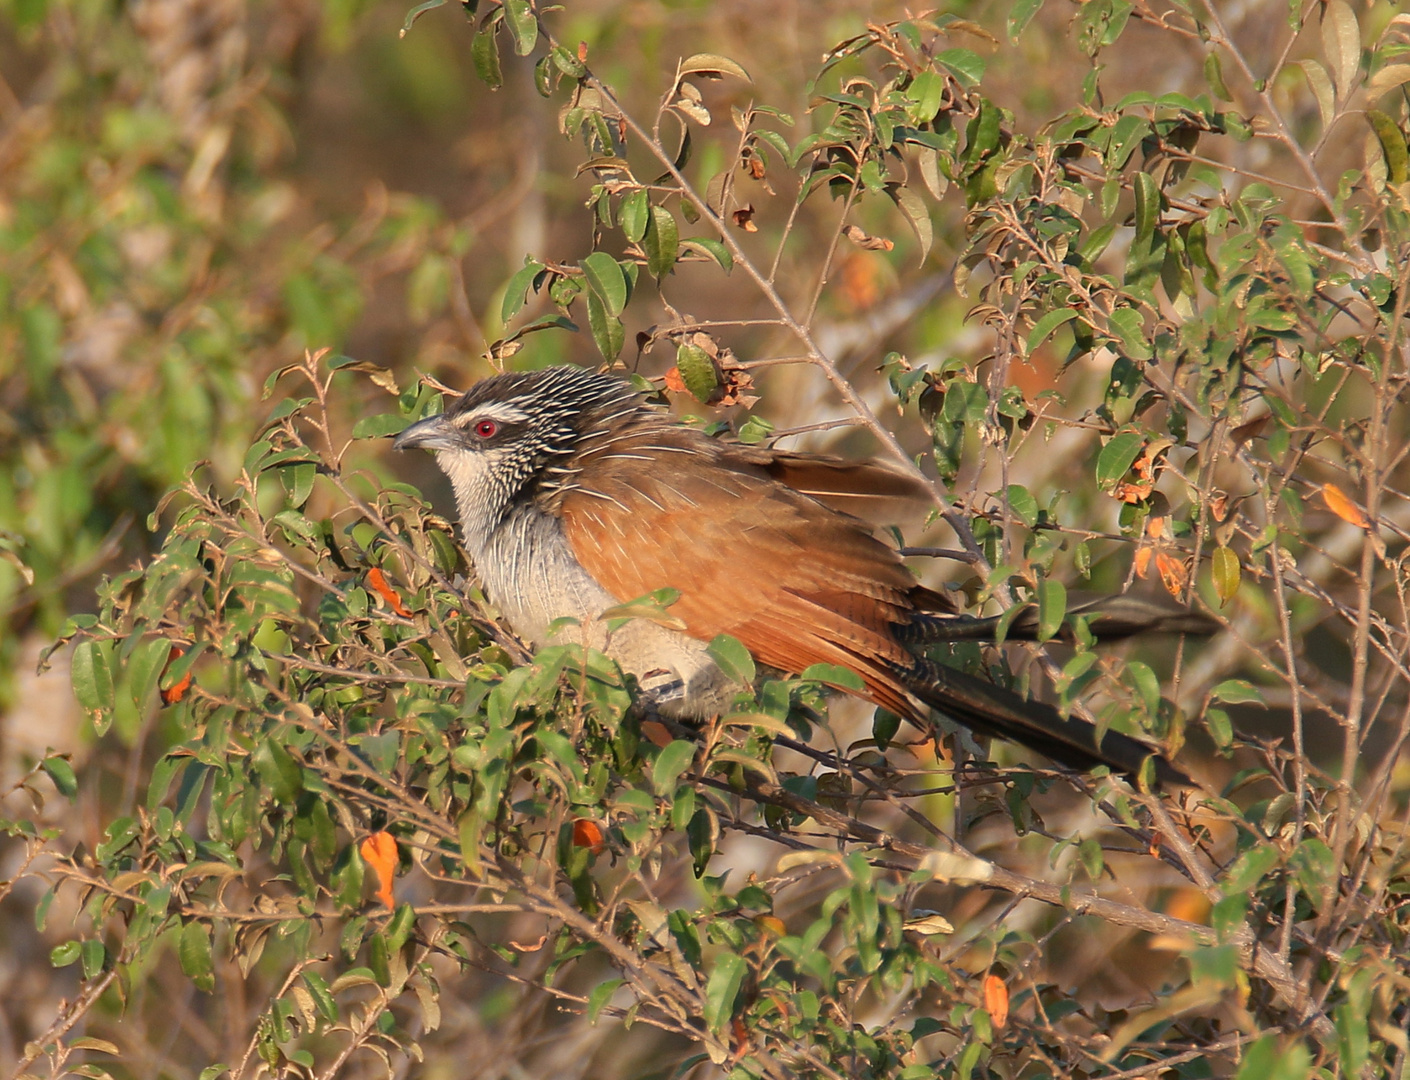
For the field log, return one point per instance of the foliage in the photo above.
(1193, 309)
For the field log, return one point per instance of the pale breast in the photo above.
(529, 571)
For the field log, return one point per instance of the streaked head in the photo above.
(498, 438)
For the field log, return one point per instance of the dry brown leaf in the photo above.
(744, 218)
(1143, 561)
(1343, 507)
(588, 834)
(380, 585)
(379, 851)
(1244, 432)
(176, 691)
(1173, 574)
(996, 1000)
(865, 241)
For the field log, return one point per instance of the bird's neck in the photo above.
(481, 496)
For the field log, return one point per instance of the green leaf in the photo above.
(1052, 607)
(632, 215)
(281, 774)
(661, 242)
(697, 372)
(965, 65)
(484, 54)
(144, 668)
(1266, 1060)
(416, 13)
(322, 996)
(607, 330)
(675, 757)
(1147, 206)
(1249, 869)
(567, 62)
(1147, 685)
(1117, 456)
(1044, 327)
(65, 954)
(1020, 15)
(1315, 868)
(835, 675)
(713, 248)
(516, 292)
(925, 93)
(1022, 504)
(1128, 326)
(1227, 574)
(523, 25)
(92, 676)
(721, 989)
(379, 426)
(605, 278)
(600, 996)
(733, 658)
(194, 949)
(61, 772)
(95, 957)
(1214, 76)
(1220, 727)
(1393, 147)
(1237, 692)
(399, 927)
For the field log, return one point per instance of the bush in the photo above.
(392, 828)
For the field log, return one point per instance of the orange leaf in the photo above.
(378, 581)
(1143, 561)
(177, 690)
(674, 382)
(996, 1000)
(741, 1041)
(379, 851)
(1343, 507)
(588, 834)
(1172, 572)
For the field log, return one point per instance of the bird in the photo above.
(577, 498)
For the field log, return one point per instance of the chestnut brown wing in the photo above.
(796, 582)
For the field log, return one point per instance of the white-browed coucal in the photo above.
(575, 497)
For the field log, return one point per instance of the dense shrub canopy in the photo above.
(1140, 326)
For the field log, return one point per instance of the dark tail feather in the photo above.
(992, 710)
(1109, 618)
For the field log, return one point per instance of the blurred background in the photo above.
(193, 192)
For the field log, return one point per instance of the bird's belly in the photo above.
(529, 571)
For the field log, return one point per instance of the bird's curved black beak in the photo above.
(432, 433)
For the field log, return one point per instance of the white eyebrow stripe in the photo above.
(500, 411)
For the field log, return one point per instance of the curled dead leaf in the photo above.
(865, 241)
(379, 851)
(383, 588)
(744, 218)
(1173, 573)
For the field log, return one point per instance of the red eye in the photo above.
(486, 429)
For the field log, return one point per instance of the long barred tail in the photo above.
(992, 710)
(1109, 618)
